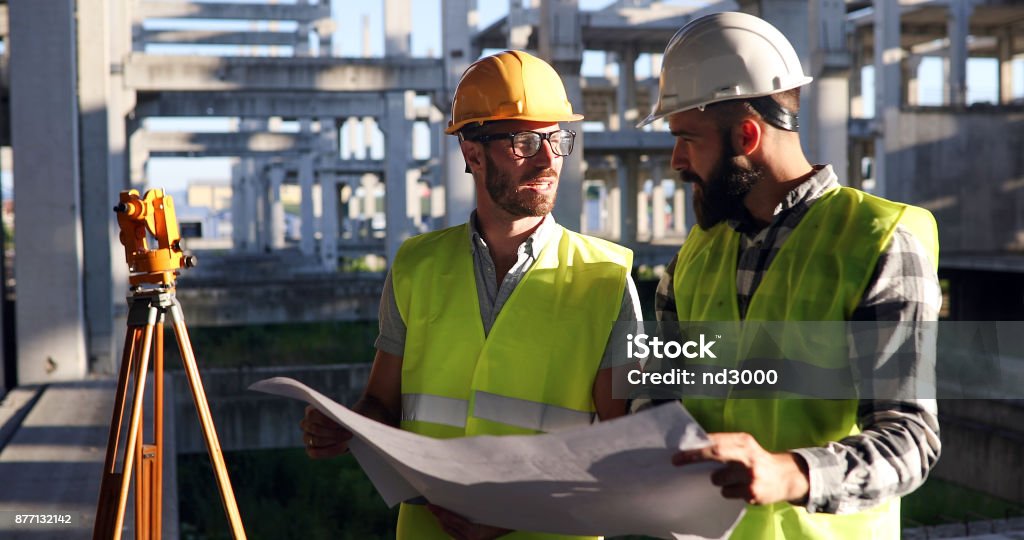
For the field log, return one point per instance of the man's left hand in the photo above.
(751, 473)
(461, 528)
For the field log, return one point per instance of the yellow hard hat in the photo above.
(510, 85)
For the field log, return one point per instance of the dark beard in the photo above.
(721, 197)
(507, 196)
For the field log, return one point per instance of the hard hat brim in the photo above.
(454, 128)
(659, 112)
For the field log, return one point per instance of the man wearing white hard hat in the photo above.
(780, 240)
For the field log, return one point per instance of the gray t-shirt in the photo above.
(492, 296)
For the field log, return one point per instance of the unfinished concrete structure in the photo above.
(300, 116)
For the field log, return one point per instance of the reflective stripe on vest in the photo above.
(496, 408)
(434, 409)
(819, 274)
(527, 414)
(535, 367)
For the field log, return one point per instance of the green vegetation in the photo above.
(282, 494)
(291, 344)
(939, 501)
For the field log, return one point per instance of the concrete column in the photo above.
(329, 222)
(263, 206)
(560, 43)
(307, 230)
(679, 209)
(237, 208)
(519, 28)
(397, 28)
(276, 207)
(302, 36)
(657, 201)
(49, 314)
(824, 125)
(266, 205)
(1005, 47)
(643, 228)
(958, 27)
(413, 198)
(366, 48)
(437, 189)
(614, 207)
(102, 248)
(325, 29)
(625, 93)
(250, 185)
(120, 102)
(888, 55)
(856, 64)
(457, 18)
(328, 142)
(910, 85)
(138, 156)
(626, 170)
(370, 185)
(398, 152)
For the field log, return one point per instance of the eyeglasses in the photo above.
(526, 144)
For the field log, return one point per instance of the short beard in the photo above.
(721, 196)
(506, 194)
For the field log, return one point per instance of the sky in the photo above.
(173, 173)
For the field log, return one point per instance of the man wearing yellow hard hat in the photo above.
(501, 325)
(780, 240)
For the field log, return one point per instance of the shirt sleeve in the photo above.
(391, 336)
(899, 440)
(665, 295)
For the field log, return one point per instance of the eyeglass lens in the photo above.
(527, 143)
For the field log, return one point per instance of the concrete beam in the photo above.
(173, 144)
(156, 9)
(258, 104)
(203, 73)
(457, 17)
(628, 141)
(213, 37)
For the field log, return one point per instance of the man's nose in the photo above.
(680, 160)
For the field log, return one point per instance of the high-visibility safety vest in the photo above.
(534, 372)
(819, 274)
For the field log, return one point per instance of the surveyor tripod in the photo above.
(152, 299)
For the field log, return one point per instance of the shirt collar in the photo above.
(531, 246)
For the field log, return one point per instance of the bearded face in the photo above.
(532, 196)
(720, 196)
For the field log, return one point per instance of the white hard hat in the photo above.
(724, 56)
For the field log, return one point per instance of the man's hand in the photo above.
(322, 436)
(751, 473)
(462, 529)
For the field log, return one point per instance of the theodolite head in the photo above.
(152, 214)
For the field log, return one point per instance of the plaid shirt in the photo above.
(899, 440)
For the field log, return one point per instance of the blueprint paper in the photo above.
(610, 478)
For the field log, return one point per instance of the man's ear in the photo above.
(747, 137)
(473, 153)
